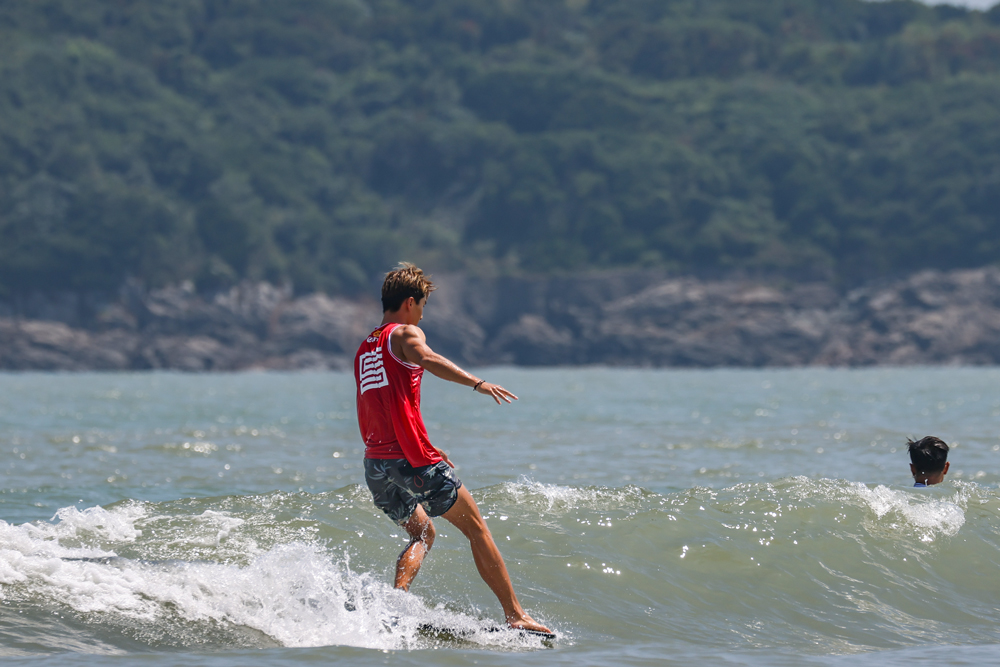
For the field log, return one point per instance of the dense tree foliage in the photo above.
(319, 141)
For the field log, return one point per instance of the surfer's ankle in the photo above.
(518, 617)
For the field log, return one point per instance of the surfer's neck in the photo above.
(410, 312)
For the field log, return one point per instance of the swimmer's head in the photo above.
(928, 459)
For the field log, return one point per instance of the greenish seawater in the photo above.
(650, 516)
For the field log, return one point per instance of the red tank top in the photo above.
(389, 403)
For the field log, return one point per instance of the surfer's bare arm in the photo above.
(414, 348)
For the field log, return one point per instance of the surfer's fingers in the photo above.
(497, 392)
(507, 395)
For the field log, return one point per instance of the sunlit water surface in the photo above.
(648, 516)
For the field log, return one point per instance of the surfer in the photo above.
(410, 479)
(928, 460)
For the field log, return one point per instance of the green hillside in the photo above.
(322, 140)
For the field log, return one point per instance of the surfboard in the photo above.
(460, 633)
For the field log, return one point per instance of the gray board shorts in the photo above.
(397, 487)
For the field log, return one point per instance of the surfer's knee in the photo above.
(421, 531)
(475, 529)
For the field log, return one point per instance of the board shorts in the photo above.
(397, 487)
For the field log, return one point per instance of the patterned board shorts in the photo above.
(397, 487)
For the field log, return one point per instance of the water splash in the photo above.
(297, 594)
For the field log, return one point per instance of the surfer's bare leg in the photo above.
(464, 514)
(421, 531)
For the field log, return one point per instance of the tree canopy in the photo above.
(320, 141)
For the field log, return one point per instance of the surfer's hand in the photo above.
(444, 456)
(496, 391)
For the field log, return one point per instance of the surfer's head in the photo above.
(928, 459)
(402, 283)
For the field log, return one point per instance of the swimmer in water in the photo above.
(928, 460)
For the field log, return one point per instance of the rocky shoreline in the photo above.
(621, 319)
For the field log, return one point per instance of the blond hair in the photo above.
(401, 283)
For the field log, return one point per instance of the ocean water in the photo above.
(650, 517)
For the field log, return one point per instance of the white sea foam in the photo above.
(551, 497)
(95, 523)
(36, 550)
(930, 518)
(209, 529)
(298, 594)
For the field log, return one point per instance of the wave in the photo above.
(255, 590)
(812, 565)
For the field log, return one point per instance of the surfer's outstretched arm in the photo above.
(464, 514)
(413, 347)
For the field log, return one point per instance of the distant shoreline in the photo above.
(626, 319)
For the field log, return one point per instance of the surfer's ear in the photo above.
(944, 470)
(913, 469)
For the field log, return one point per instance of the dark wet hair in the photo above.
(401, 283)
(928, 455)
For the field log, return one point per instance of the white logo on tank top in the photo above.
(371, 371)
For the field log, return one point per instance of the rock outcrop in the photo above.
(629, 318)
(249, 326)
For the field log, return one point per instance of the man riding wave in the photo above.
(411, 480)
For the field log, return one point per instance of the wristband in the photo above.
(476, 388)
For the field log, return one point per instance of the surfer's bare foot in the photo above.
(527, 623)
